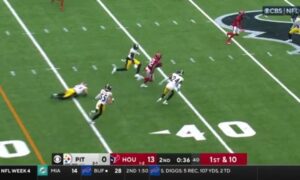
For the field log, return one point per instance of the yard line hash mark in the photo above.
(192, 60)
(102, 27)
(84, 28)
(94, 67)
(13, 73)
(46, 31)
(156, 23)
(269, 54)
(190, 105)
(211, 58)
(230, 57)
(66, 29)
(74, 68)
(175, 22)
(33, 71)
(247, 53)
(138, 24)
(22, 126)
(173, 61)
(7, 33)
(58, 76)
(193, 21)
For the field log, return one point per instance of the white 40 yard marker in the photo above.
(191, 130)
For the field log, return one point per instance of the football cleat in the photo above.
(92, 122)
(143, 85)
(159, 99)
(228, 42)
(114, 69)
(138, 77)
(165, 102)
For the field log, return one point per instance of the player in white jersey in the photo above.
(174, 84)
(130, 59)
(79, 89)
(104, 97)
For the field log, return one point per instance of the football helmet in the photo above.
(135, 46)
(158, 56)
(108, 87)
(180, 72)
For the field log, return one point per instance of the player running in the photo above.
(130, 59)
(236, 26)
(79, 89)
(154, 63)
(104, 97)
(295, 29)
(174, 84)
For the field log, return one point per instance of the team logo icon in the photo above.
(67, 159)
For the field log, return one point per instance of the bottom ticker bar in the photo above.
(153, 172)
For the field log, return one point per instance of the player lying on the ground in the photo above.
(79, 89)
(130, 59)
(295, 29)
(154, 63)
(236, 26)
(104, 97)
(174, 84)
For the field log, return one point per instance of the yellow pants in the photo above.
(130, 62)
(69, 93)
(294, 30)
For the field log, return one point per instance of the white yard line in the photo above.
(247, 53)
(291, 4)
(190, 105)
(58, 76)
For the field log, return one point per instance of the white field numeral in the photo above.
(21, 149)
(191, 130)
(245, 129)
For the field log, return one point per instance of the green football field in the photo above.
(242, 97)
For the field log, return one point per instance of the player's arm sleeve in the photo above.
(98, 96)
